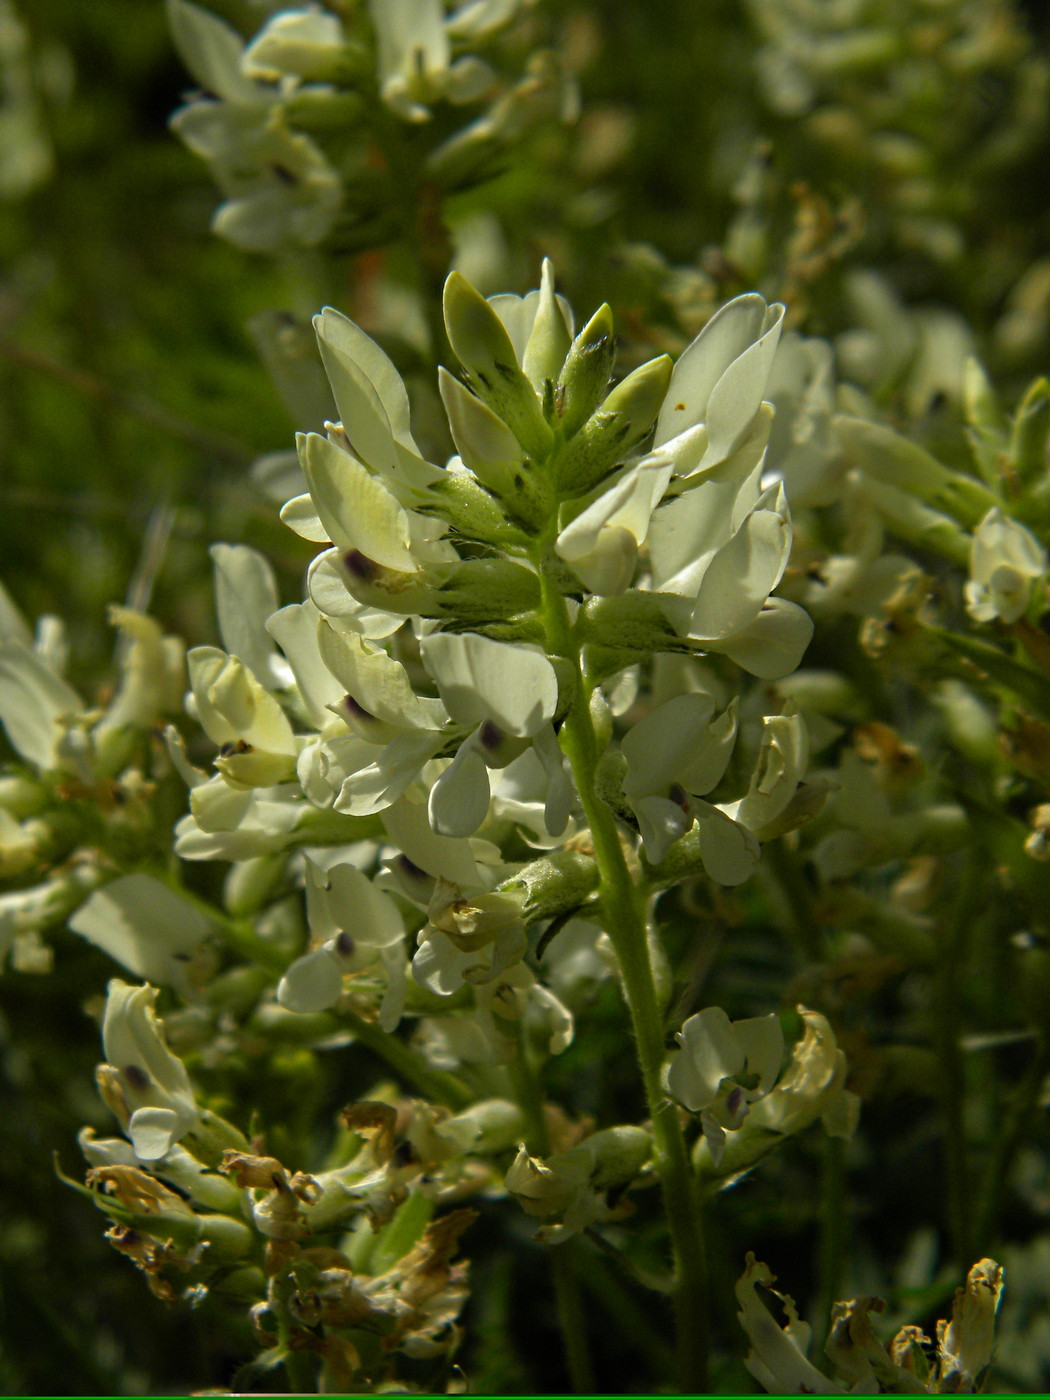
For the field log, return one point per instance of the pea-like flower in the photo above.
(1005, 562)
(723, 1067)
(144, 1082)
(360, 928)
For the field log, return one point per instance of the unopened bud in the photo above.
(227, 1239)
(480, 340)
(588, 366)
(1031, 433)
(549, 339)
(623, 420)
(555, 883)
(895, 461)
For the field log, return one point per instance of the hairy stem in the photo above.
(624, 921)
(569, 1302)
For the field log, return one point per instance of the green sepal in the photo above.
(480, 341)
(987, 428)
(625, 417)
(474, 513)
(895, 461)
(1026, 685)
(586, 372)
(406, 1227)
(1030, 433)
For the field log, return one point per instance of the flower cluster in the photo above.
(294, 138)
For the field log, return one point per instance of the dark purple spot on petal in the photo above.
(136, 1076)
(360, 565)
(491, 736)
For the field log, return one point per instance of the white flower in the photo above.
(307, 44)
(717, 552)
(780, 767)
(245, 596)
(777, 1358)
(571, 1189)
(508, 694)
(145, 925)
(601, 543)
(718, 384)
(279, 186)
(415, 59)
(675, 754)
(1005, 560)
(151, 1081)
(361, 926)
(256, 745)
(715, 1054)
(37, 707)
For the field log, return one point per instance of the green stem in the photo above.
(624, 922)
(562, 1257)
(1019, 1119)
(831, 1257)
(435, 1083)
(782, 864)
(949, 980)
(572, 1317)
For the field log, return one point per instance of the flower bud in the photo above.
(623, 420)
(895, 461)
(550, 337)
(555, 883)
(472, 512)
(618, 1154)
(479, 339)
(1030, 434)
(250, 884)
(227, 1239)
(586, 372)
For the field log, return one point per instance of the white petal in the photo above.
(313, 982)
(480, 679)
(743, 323)
(375, 786)
(300, 515)
(730, 852)
(710, 1053)
(356, 508)
(660, 823)
(152, 1132)
(245, 596)
(33, 703)
(459, 800)
(294, 629)
(773, 644)
(211, 49)
(779, 769)
(660, 742)
(560, 791)
(359, 909)
(762, 1040)
(369, 393)
(329, 593)
(143, 924)
(409, 828)
(741, 576)
(376, 681)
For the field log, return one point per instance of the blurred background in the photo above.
(718, 146)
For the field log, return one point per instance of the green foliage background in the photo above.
(132, 403)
